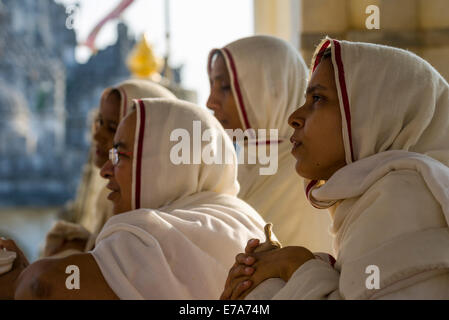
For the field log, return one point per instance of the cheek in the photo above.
(323, 138)
(123, 176)
(109, 136)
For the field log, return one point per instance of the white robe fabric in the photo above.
(188, 224)
(390, 203)
(95, 208)
(268, 80)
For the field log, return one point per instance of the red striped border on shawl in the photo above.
(237, 87)
(320, 54)
(139, 152)
(344, 93)
(309, 188)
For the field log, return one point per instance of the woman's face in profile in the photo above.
(106, 125)
(221, 100)
(120, 174)
(318, 140)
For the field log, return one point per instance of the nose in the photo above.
(98, 136)
(107, 171)
(212, 102)
(295, 120)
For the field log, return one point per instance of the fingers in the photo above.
(244, 258)
(240, 289)
(237, 274)
(10, 245)
(236, 289)
(252, 245)
(226, 294)
(240, 271)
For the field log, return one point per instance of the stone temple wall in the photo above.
(45, 100)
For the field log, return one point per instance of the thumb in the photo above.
(252, 245)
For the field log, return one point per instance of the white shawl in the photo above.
(390, 203)
(188, 224)
(268, 80)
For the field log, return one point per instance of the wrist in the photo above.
(296, 257)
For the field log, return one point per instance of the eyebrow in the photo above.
(99, 116)
(218, 77)
(315, 88)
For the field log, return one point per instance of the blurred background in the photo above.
(57, 56)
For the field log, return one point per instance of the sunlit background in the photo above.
(50, 81)
(195, 26)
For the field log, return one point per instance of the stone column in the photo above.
(421, 26)
(278, 18)
(433, 22)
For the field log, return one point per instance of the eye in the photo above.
(225, 87)
(316, 98)
(112, 129)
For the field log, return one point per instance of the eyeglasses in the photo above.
(114, 155)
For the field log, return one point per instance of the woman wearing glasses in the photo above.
(91, 209)
(176, 227)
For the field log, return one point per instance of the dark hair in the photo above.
(115, 93)
(326, 54)
(215, 55)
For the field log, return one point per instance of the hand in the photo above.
(253, 268)
(8, 280)
(238, 271)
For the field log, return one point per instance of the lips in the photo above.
(112, 187)
(115, 191)
(296, 143)
(113, 195)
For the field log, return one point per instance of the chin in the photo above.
(117, 208)
(304, 173)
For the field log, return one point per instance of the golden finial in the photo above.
(142, 62)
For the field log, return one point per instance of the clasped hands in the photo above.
(251, 268)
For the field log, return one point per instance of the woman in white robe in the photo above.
(177, 226)
(389, 200)
(91, 209)
(256, 83)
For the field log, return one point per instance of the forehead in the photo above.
(324, 73)
(126, 130)
(218, 66)
(110, 106)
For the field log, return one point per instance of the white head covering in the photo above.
(390, 100)
(138, 89)
(268, 80)
(153, 165)
(183, 245)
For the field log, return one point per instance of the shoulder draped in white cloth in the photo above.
(390, 203)
(268, 81)
(188, 224)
